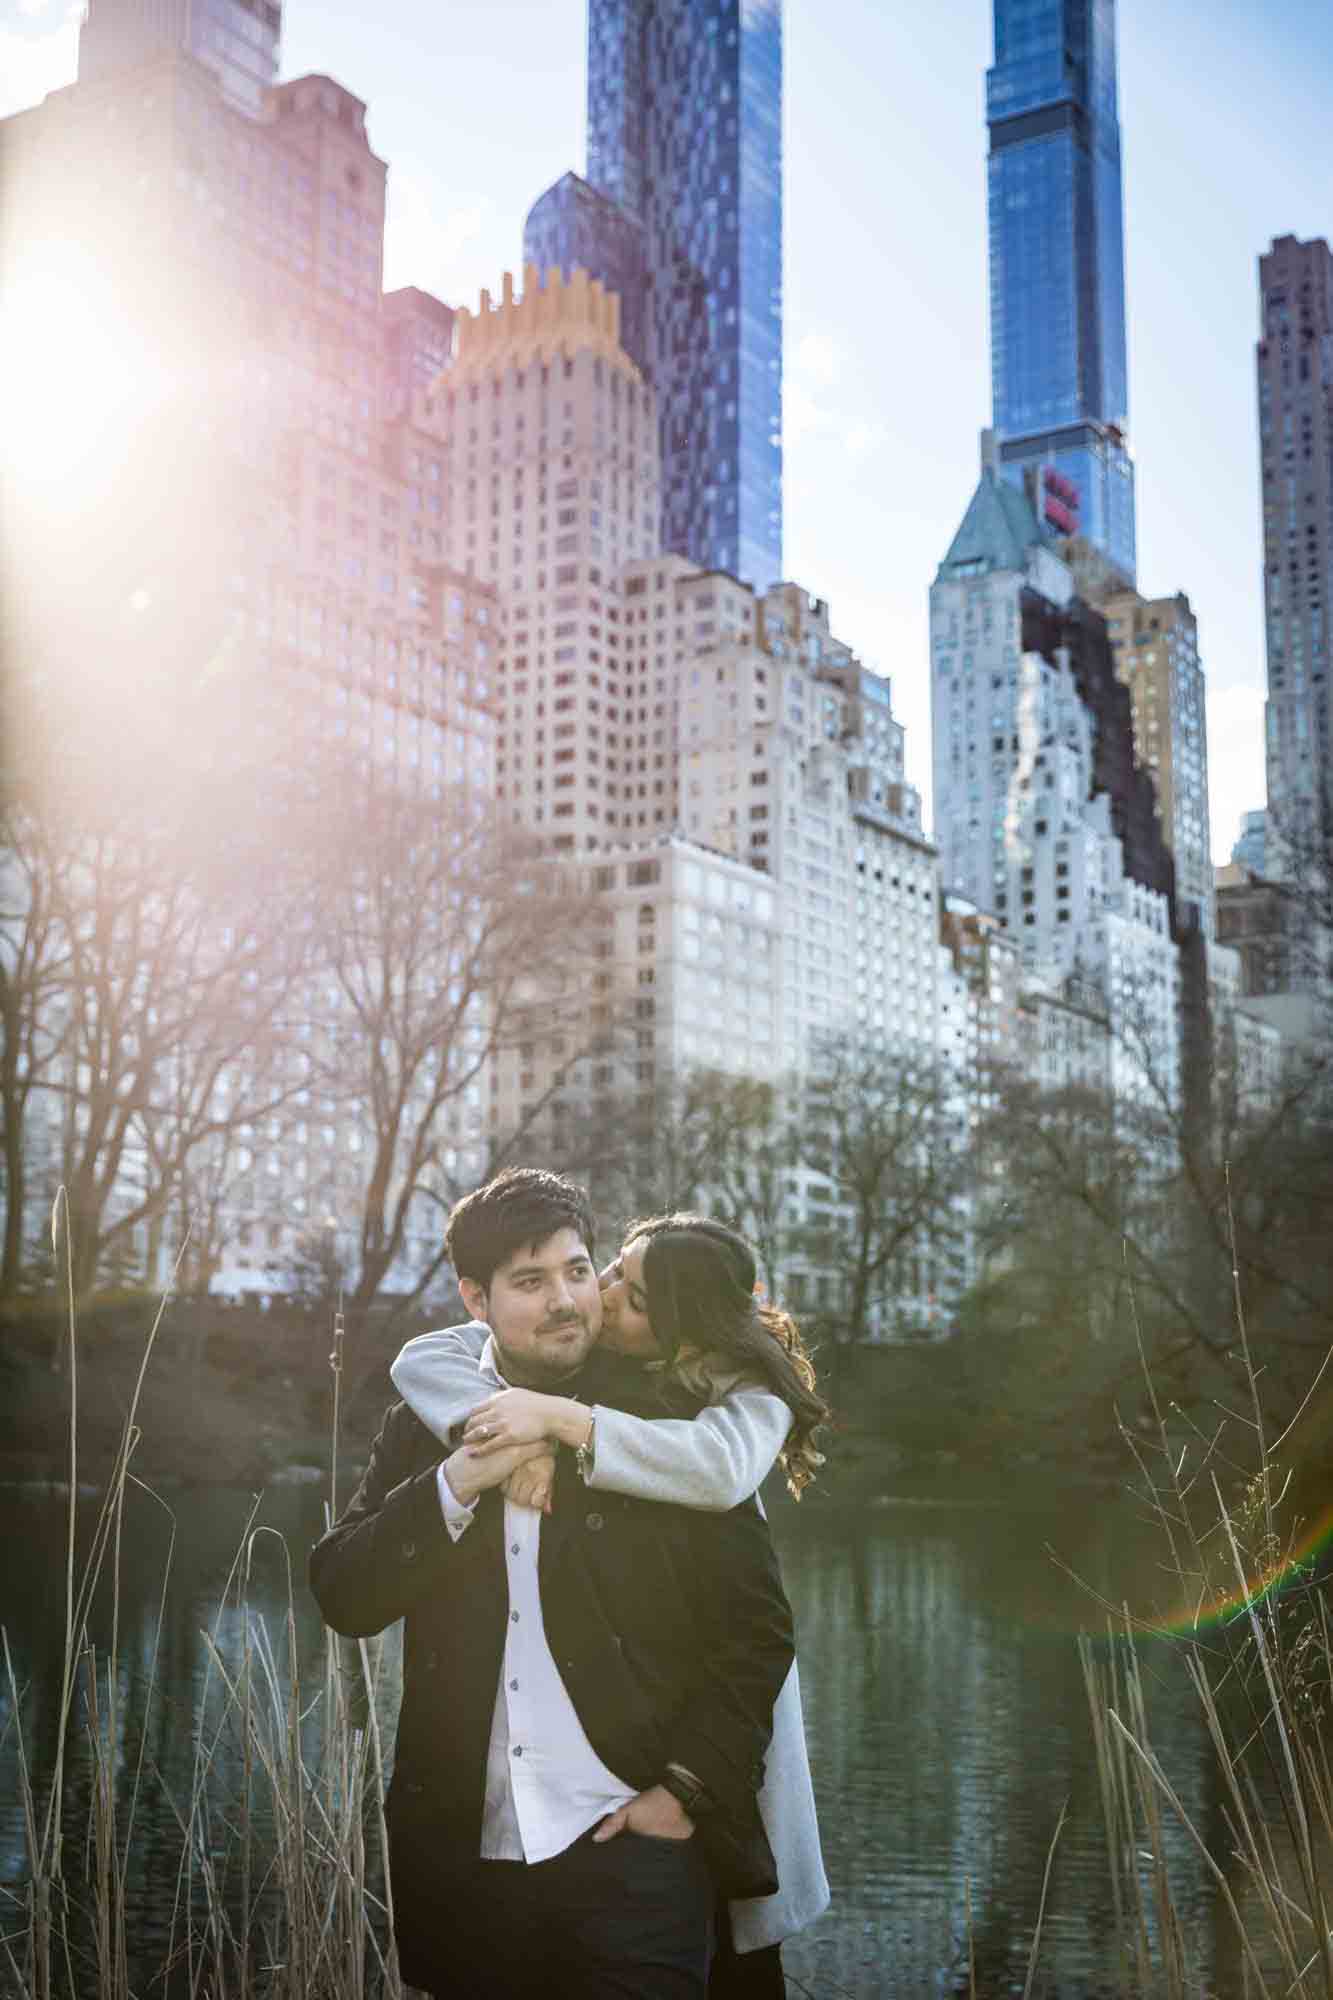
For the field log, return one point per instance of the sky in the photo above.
(1227, 137)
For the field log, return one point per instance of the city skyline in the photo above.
(886, 323)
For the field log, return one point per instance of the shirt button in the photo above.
(513, 1684)
(518, 1750)
(595, 1522)
(513, 1548)
(513, 1617)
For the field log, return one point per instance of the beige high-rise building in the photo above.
(1155, 641)
(551, 462)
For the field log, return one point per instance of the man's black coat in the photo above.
(669, 1626)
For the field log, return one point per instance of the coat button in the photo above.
(409, 1550)
(595, 1521)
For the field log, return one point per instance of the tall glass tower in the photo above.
(1057, 260)
(685, 138)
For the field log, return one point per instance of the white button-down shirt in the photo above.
(545, 1784)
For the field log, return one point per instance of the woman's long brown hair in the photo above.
(699, 1276)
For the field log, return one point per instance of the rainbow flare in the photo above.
(1296, 1565)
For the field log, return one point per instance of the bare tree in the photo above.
(171, 949)
(34, 971)
(1103, 1216)
(181, 975)
(883, 1130)
(753, 1150)
(443, 943)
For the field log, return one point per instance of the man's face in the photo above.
(543, 1307)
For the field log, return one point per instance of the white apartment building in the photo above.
(790, 757)
(1036, 790)
(1064, 1037)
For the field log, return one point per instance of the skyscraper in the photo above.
(237, 39)
(1155, 643)
(685, 142)
(1057, 281)
(1295, 374)
(1042, 813)
(550, 447)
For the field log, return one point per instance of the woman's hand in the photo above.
(525, 1416)
(531, 1484)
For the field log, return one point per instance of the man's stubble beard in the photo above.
(527, 1371)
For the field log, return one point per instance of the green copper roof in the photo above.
(997, 530)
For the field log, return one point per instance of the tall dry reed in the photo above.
(1253, 1636)
(281, 1892)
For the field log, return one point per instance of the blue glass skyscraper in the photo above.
(1057, 259)
(685, 139)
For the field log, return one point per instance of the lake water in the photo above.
(945, 1707)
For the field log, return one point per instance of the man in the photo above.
(579, 1691)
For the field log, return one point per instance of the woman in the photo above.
(681, 1298)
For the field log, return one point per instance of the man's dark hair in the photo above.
(518, 1208)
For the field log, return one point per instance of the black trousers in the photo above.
(744, 1975)
(624, 1919)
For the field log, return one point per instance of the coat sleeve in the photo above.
(747, 1647)
(437, 1376)
(390, 1545)
(713, 1461)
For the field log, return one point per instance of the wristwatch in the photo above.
(685, 1788)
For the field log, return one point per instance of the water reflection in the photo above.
(948, 1727)
(945, 1707)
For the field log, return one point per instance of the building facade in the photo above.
(1294, 367)
(1043, 817)
(684, 185)
(417, 344)
(1251, 845)
(1155, 642)
(1057, 287)
(299, 616)
(550, 452)
(238, 40)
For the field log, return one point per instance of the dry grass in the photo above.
(278, 1890)
(1261, 1670)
